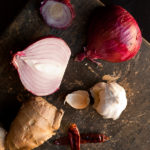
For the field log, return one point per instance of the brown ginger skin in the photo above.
(35, 123)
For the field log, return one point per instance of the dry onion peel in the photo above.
(78, 99)
(57, 13)
(41, 66)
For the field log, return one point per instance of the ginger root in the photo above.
(35, 123)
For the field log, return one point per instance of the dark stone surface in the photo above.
(8, 10)
(130, 132)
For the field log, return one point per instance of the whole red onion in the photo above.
(113, 35)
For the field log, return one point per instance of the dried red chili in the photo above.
(84, 138)
(74, 137)
(93, 138)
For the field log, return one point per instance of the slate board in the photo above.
(8, 10)
(130, 132)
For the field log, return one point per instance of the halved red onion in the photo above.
(113, 35)
(41, 66)
(57, 13)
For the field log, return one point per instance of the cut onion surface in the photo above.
(41, 66)
(57, 13)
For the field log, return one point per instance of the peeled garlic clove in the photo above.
(110, 99)
(78, 99)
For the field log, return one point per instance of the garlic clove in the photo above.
(95, 91)
(110, 99)
(78, 99)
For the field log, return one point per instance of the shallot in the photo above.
(113, 35)
(41, 66)
(57, 13)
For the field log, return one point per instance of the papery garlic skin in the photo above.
(110, 99)
(78, 99)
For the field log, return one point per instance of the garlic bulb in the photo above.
(2, 138)
(110, 99)
(78, 99)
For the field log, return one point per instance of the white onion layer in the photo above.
(41, 66)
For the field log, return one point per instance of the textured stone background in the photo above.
(131, 131)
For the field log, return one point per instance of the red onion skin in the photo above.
(113, 36)
(21, 53)
(68, 4)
